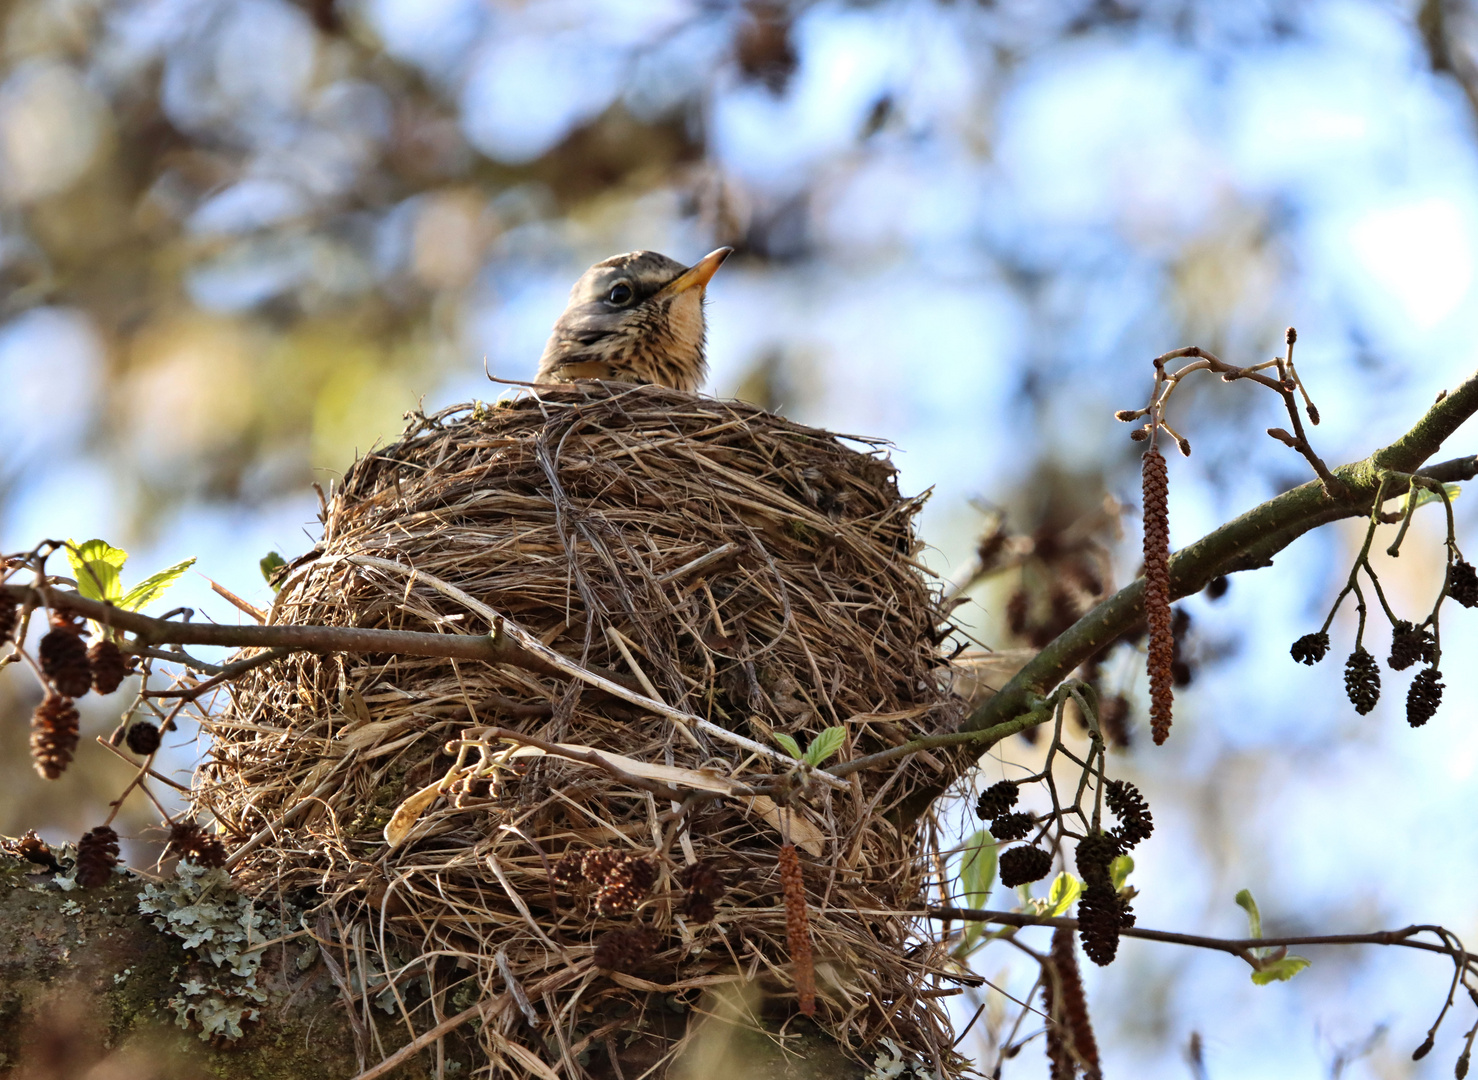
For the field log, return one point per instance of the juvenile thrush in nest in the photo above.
(637, 318)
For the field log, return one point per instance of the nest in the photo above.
(730, 565)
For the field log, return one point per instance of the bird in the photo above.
(636, 317)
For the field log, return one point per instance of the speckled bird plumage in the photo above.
(636, 317)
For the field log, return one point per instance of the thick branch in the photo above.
(1247, 542)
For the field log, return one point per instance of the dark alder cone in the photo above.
(1463, 586)
(624, 886)
(189, 841)
(1095, 852)
(624, 950)
(97, 854)
(31, 848)
(597, 864)
(1113, 718)
(568, 868)
(9, 617)
(142, 738)
(1217, 587)
(1423, 696)
(1410, 644)
(1100, 916)
(703, 886)
(1023, 865)
(997, 799)
(1157, 591)
(53, 735)
(1128, 805)
(798, 928)
(108, 666)
(1070, 1005)
(1311, 648)
(1181, 673)
(1010, 827)
(64, 660)
(1362, 680)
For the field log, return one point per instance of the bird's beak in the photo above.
(698, 275)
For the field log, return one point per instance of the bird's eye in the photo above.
(620, 294)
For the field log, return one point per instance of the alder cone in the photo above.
(97, 854)
(108, 666)
(64, 660)
(189, 841)
(624, 950)
(9, 617)
(53, 735)
(142, 738)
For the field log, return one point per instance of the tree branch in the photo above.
(1235, 946)
(1247, 542)
(491, 648)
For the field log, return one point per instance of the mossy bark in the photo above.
(85, 977)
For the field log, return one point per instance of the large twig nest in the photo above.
(732, 564)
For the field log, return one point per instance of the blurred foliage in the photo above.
(278, 219)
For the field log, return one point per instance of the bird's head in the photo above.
(640, 315)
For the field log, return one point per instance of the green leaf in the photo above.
(1254, 917)
(1120, 869)
(1424, 495)
(270, 564)
(1279, 970)
(824, 745)
(150, 589)
(1065, 889)
(978, 868)
(789, 745)
(95, 565)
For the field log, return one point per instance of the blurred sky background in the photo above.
(240, 238)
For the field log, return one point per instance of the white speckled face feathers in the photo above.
(636, 317)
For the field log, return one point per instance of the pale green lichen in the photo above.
(220, 927)
(891, 1063)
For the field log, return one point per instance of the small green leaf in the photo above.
(1254, 917)
(1279, 970)
(978, 868)
(789, 745)
(153, 586)
(824, 745)
(270, 564)
(1424, 495)
(1120, 869)
(1065, 889)
(95, 565)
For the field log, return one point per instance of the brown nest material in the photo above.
(733, 575)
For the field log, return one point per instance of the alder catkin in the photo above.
(1073, 1005)
(797, 928)
(1157, 613)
